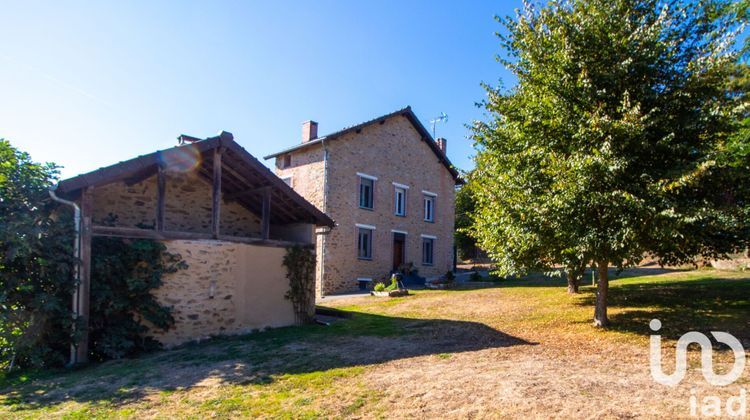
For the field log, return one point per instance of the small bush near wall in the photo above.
(300, 270)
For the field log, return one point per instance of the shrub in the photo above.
(300, 268)
(380, 287)
(393, 285)
(475, 276)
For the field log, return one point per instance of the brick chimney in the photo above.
(442, 144)
(309, 131)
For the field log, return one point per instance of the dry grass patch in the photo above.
(524, 348)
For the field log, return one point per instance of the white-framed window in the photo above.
(429, 208)
(364, 241)
(399, 199)
(288, 181)
(428, 249)
(366, 191)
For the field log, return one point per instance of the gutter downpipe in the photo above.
(76, 267)
(325, 210)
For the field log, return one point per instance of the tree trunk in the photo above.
(593, 274)
(573, 281)
(600, 313)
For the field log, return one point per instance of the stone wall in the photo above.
(187, 202)
(392, 152)
(306, 173)
(229, 288)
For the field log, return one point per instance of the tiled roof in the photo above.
(405, 112)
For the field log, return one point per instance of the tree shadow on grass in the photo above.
(543, 280)
(715, 304)
(255, 359)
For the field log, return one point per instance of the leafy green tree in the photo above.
(35, 270)
(466, 245)
(615, 142)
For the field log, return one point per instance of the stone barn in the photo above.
(225, 213)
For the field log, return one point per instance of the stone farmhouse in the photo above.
(390, 189)
(227, 215)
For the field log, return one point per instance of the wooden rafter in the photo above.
(141, 175)
(138, 233)
(245, 193)
(265, 221)
(82, 295)
(216, 193)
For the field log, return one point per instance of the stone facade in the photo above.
(229, 288)
(187, 202)
(393, 152)
(305, 174)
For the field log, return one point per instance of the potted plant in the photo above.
(392, 290)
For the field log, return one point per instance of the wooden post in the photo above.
(216, 194)
(161, 186)
(84, 287)
(265, 222)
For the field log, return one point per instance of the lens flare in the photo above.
(184, 159)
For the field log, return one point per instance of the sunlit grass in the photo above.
(309, 372)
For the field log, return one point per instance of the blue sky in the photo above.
(88, 84)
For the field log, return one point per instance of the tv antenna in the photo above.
(442, 118)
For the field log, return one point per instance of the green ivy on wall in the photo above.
(124, 275)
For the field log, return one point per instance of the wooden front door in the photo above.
(399, 248)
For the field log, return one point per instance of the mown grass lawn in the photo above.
(522, 348)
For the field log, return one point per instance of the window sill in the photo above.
(364, 259)
(399, 215)
(427, 265)
(429, 221)
(367, 208)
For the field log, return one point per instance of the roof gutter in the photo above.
(76, 266)
(325, 210)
